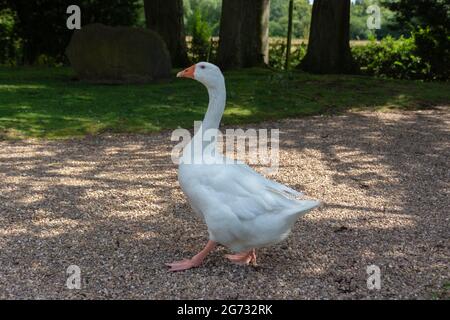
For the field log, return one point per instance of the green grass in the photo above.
(47, 103)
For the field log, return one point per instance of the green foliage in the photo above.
(41, 24)
(279, 18)
(277, 52)
(9, 43)
(429, 23)
(44, 60)
(44, 103)
(421, 13)
(392, 58)
(201, 38)
(277, 56)
(358, 21)
(434, 50)
(209, 10)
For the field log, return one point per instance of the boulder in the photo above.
(104, 54)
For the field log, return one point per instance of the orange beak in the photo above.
(187, 73)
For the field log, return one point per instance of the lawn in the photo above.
(48, 103)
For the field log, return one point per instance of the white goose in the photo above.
(242, 209)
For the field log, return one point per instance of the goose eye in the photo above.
(203, 67)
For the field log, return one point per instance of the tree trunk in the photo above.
(166, 18)
(244, 34)
(289, 35)
(329, 43)
(255, 31)
(229, 53)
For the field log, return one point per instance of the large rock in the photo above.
(103, 54)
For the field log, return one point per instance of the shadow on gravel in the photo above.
(112, 206)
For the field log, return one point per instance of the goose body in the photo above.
(241, 208)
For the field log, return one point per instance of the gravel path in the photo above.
(112, 206)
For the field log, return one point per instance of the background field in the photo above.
(47, 103)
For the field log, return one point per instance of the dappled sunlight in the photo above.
(76, 98)
(71, 169)
(47, 104)
(385, 223)
(349, 101)
(113, 201)
(238, 112)
(21, 87)
(146, 235)
(49, 227)
(27, 153)
(13, 232)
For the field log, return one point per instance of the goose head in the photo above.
(206, 73)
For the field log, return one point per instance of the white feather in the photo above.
(242, 209)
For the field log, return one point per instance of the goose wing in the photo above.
(248, 194)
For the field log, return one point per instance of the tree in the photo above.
(279, 20)
(209, 10)
(429, 23)
(166, 18)
(289, 35)
(244, 34)
(358, 22)
(421, 13)
(9, 44)
(329, 43)
(41, 24)
(201, 38)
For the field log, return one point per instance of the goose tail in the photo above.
(284, 191)
(302, 207)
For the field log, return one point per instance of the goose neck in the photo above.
(216, 107)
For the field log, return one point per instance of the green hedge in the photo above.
(10, 53)
(277, 54)
(422, 56)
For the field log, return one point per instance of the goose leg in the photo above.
(253, 261)
(246, 257)
(195, 261)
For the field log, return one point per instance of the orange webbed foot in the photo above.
(196, 261)
(183, 265)
(244, 258)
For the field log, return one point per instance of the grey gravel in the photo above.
(111, 204)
